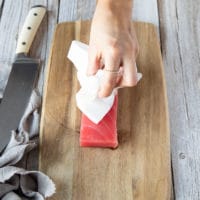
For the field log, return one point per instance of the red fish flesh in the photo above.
(103, 134)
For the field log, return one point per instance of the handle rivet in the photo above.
(29, 28)
(23, 43)
(35, 14)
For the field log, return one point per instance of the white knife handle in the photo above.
(29, 29)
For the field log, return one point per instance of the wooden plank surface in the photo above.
(179, 28)
(143, 10)
(76, 10)
(140, 167)
(177, 20)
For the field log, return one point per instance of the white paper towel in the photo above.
(87, 99)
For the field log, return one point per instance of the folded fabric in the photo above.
(16, 182)
(87, 99)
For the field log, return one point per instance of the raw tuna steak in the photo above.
(103, 134)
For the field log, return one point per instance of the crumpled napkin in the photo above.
(16, 182)
(87, 99)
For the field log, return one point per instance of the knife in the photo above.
(21, 79)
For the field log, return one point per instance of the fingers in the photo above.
(129, 78)
(114, 75)
(93, 61)
(111, 75)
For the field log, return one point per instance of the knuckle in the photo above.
(132, 50)
(114, 52)
(114, 48)
(133, 47)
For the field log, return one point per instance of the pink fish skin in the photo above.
(103, 134)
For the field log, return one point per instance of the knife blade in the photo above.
(22, 77)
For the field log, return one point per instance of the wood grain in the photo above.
(140, 168)
(143, 10)
(76, 10)
(179, 28)
(179, 24)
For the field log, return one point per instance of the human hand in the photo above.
(113, 45)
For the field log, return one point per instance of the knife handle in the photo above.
(29, 29)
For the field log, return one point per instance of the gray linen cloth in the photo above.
(17, 183)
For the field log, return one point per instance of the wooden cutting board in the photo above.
(139, 168)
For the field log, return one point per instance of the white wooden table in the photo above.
(178, 23)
